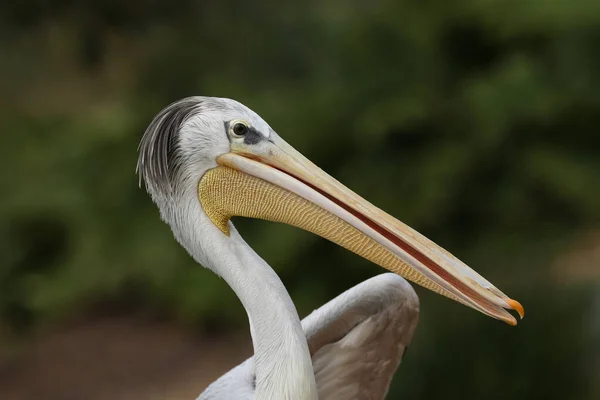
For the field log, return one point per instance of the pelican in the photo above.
(205, 160)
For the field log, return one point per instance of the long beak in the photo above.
(271, 180)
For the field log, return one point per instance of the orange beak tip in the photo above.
(515, 305)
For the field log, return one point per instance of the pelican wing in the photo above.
(356, 341)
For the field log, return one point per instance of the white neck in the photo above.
(282, 362)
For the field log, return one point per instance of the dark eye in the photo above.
(240, 129)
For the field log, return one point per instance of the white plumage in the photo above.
(356, 341)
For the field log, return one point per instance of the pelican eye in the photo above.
(239, 129)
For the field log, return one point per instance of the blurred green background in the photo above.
(474, 121)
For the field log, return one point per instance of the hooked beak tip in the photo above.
(515, 305)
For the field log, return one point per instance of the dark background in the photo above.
(474, 121)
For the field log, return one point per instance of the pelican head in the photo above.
(220, 158)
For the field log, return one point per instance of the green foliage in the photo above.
(474, 121)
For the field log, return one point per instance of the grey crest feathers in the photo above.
(158, 149)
